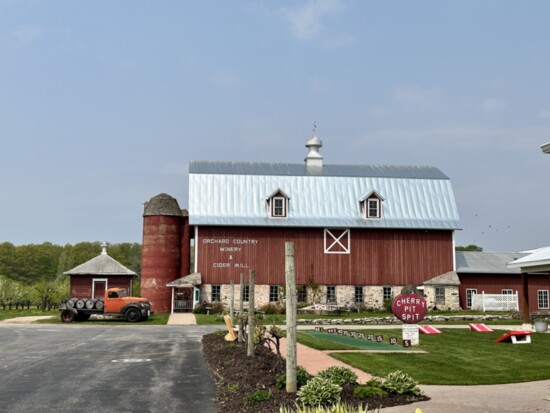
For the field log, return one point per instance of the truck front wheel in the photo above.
(67, 316)
(133, 315)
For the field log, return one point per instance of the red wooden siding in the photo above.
(377, 257)
(495, 283)
(81, 285)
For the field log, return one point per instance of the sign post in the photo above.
(411, 309)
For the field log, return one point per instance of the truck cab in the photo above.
(117, 301)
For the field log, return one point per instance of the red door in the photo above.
(99, 289)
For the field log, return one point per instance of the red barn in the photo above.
(361, 232)
(92, 278)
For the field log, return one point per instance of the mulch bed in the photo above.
(238, 376)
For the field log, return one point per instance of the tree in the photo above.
(471, 247)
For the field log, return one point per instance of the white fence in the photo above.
(495, 302)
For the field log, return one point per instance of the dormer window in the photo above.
(371, 205)
(278, 207)
(278, 204)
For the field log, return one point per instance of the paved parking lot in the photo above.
(86, 368)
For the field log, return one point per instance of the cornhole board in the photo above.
(428, 330)
(516, 337)
(480, 328)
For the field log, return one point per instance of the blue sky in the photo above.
(103, 104)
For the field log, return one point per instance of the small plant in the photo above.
(339, 375)
(272, 308)
(258, 396)
(398, 382)
(319, 391)
(217, 307)
(302, 377)
(233, 387)
(337, 408)
(364, 392)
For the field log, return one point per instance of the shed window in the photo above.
(543, 299)
(439, 295)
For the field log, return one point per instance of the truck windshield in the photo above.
(123, 293)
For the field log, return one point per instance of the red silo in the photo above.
(161, 250)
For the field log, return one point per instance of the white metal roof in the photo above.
(234, 193)
(538, 260)
(101, 265)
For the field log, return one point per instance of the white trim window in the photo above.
(507, 291)
(542, 296)
(337, 241)
(216, 293)
(469, 295)
(371, 205)
(359, 296)
(387, 293)
(277, 204)
(439, 296)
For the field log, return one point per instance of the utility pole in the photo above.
(291, 299)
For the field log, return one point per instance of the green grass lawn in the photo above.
(457, 357)
(155, 319)
(4, 315)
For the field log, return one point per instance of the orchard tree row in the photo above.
(32, 275)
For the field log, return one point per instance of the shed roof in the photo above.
(480, 262)
(538, 258)
(233, 193)
(448, 278)
(101, 265)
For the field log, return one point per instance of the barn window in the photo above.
(273, 293)
(543, 299)
(216, 293)
(371, 205)
(302, 294)
(246, 293)
(470, 292)
(507, 291)
(331, 294)
(359, 296)
(387, 293)
(337, 241)
(278, 204)
(439, 295)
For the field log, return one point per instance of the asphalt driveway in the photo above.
(87, 368)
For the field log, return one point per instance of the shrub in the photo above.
(337, 408)
(199, 309)
(258, 396)
(364, 392)
(272, 308)
(339, 375)
(302, 377)
(398, 382)
(216, 308)
(319, 392)
(387, 305)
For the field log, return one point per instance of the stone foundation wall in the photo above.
(345, 296)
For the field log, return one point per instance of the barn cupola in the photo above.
(314, 160)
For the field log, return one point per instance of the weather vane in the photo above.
(314, 127)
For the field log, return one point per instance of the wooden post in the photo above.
(241, 308)
(251, 318)
(231, 300)
(525, 297)
(291, 299)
